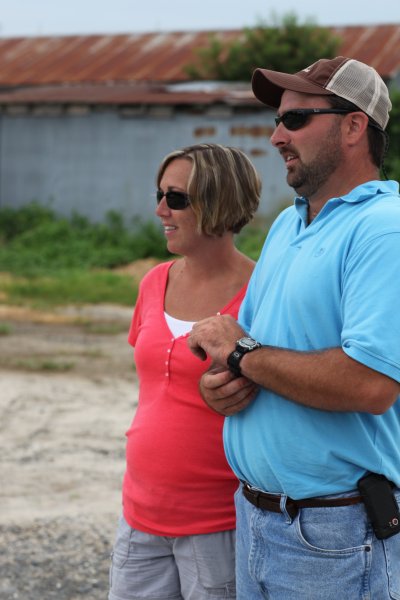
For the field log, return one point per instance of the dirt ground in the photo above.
(68, 392)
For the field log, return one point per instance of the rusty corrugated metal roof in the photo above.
(378, 46)
(160, 57)
(139, 68)
(99, 59)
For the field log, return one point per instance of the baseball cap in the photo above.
(344, 77)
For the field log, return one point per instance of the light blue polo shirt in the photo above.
(334, 283)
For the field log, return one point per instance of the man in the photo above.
(312, 391)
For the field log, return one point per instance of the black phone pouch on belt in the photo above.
(380, 504)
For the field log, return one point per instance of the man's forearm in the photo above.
(327, 380)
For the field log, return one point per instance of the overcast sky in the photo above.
(63, 17)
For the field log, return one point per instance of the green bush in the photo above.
(14, 222)
(54, 260)
(34, 240)
(251, 240)
(393, 158)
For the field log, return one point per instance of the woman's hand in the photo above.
(225, 393)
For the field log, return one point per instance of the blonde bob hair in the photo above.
(224, 188)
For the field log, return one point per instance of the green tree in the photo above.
(393, 159)
(283, 46)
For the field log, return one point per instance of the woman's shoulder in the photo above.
(157, 272)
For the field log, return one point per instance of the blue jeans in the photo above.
(321, 554)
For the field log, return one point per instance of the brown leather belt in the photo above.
(272, 502)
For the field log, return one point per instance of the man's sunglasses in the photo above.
(175, 200)
(297, 118)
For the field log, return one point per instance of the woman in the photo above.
(176, 537)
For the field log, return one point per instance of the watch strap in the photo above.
(234, 362)
(242, 347)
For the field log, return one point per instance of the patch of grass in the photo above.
(93, 353)
(40, 364)
(71, 287)
(52, 260)
(104, 328)
(5, 329)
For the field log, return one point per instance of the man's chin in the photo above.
(297, 186)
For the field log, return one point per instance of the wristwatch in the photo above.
(243, 346)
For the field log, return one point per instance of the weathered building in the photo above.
(85, 120)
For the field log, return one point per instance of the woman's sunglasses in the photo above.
(175, 200)
(297, 118)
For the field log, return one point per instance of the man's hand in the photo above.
(215, 337)
(225, 393)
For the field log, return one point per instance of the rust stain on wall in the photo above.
(257, 152)
(204, 131)
(254, 131)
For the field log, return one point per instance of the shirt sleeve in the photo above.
(370, 304)
(136, 320)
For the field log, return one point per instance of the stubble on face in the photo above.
(306, 178)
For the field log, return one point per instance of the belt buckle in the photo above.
(255, 494)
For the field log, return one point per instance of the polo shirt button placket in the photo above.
(168, 358)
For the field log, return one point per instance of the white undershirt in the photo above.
(177, 326)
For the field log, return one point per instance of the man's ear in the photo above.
(356, 124)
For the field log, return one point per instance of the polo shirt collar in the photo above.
(358, 194)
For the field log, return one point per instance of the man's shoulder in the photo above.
(374, 206)
(374, 190)
(382, 211)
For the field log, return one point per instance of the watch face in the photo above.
(247, 343)
(244, 345)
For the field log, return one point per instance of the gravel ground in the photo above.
(63, 559)
(67, 395)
